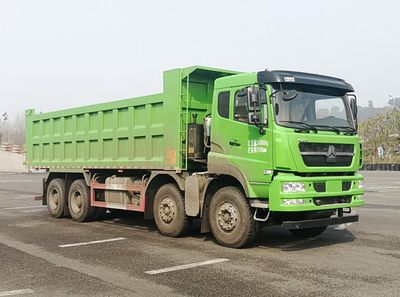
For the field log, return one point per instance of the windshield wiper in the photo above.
(310, 127)
(349, 129)
(333, 128)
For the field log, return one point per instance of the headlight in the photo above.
(292, 202)
(361, 184)
(293, 187)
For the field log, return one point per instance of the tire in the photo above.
(309, 232)
(56, 198)
(169, 211)
(79, 202)
(231, 219)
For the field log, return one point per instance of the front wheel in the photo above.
(309, 232)
(231, 219)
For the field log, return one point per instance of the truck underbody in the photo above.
(88, 194)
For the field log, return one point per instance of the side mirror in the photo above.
(353, 107)
(253, 99)
(256, 99)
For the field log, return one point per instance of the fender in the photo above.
(179, 178)
(221, 166)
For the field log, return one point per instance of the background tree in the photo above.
(382, 130)
(12, 130)
(3, 120)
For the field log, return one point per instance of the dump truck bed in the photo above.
(146, 132)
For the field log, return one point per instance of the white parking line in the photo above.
(383, 187)
(6, 181)
(342, 226)
(16, 292)
(91, 242)
(186, 266)
(28, 197)
(23, 207)
(33, 210)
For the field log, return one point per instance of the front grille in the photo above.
(331, 200)
(325, 154)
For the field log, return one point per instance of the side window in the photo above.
(223, 104)
(241, 113)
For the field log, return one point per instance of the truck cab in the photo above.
(290, 139)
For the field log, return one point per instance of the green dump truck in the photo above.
(234, 150)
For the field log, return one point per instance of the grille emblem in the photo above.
(331, 154)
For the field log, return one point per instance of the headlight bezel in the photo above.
(293, 187)
(293, 202)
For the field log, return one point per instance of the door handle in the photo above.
(234, 143)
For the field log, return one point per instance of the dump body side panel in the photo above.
(121, 134)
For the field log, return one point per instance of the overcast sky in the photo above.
(59, 54)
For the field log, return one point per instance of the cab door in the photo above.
(239, 141)
(249, 149)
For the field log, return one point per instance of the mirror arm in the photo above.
(262, 125)
(257, 122)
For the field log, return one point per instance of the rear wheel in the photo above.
(231, 219)
(56, 197)
(309, 232)
(169, 211)
(79, 202)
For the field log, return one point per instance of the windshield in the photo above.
(316, 107)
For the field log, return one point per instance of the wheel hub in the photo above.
(76, 202)
(53, 199)
(227, 216)
(167, 210)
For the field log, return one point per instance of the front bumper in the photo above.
(333, 187)
(319, 222)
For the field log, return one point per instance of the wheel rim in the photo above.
(167, 210)
(54, 199)
(228, 216)
(76, 201)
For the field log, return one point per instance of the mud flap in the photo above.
(192, 195)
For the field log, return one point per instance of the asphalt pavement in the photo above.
(126, 256)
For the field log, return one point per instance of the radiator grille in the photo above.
(325, 154)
